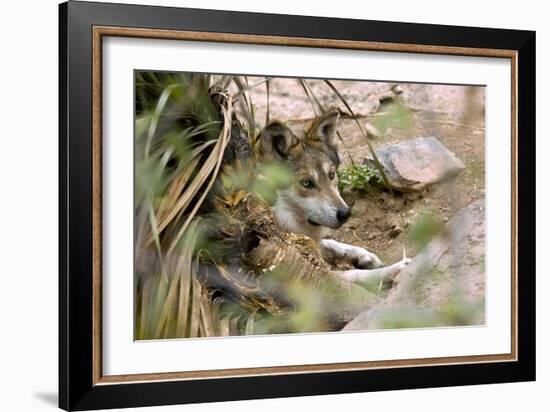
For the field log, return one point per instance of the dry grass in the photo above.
(181, 137)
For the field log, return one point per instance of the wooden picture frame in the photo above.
(82, 385)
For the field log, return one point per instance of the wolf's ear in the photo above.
(324, 128)
(276, 139)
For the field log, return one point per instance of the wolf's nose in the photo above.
(343, 214)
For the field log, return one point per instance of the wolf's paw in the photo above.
(396, 268)
(402, 264)
(363, 259)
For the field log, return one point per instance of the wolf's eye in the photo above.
(331, 175)
(308, 184)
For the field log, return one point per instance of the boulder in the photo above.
(414, 164)
(444, 285)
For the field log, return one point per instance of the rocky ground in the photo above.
(445, 283)
(382, 221)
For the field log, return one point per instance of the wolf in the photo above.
(312, 203)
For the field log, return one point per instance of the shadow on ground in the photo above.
(49, 398)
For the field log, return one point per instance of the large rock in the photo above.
(414, 164)
(444, 285)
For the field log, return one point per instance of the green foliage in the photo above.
(177, 131)
(173, 113)
(176, 126)
(458, 311)
(358, 177)
(315, 305)
(455, 312)
(272, 177)
(423, 230)
(394, 115)
(408, 317)
(375, 159)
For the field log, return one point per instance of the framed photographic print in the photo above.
(257, 205)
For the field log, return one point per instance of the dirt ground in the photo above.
(453, 114)
(379, 217)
